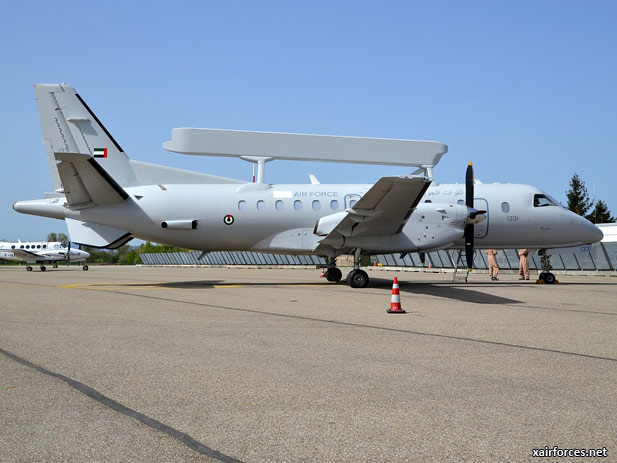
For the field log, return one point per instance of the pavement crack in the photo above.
(118, 407)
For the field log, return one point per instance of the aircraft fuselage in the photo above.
(282, 218)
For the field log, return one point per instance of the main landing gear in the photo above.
(85, 267)
(357, 278)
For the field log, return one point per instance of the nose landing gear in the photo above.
(546, 277)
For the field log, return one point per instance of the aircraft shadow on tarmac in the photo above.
(437, 290)
(446, 290)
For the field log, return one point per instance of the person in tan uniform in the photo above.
(493, 268)
(523, 266)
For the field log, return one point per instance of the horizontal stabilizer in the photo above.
(95, 235)
(303, 147)
(85, 182)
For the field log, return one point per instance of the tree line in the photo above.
(580, 203)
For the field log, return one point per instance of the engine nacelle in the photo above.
(436, 225)
(326, 224)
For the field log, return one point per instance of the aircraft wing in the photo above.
(382, 211)
(85, 182)
(26, 255)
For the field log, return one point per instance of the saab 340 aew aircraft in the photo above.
(46, 252)
(107, 198)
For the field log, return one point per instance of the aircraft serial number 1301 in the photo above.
(107, 198)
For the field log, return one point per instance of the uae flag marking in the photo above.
(100, 152)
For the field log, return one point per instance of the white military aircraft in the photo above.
(107, 198)
(42, 252)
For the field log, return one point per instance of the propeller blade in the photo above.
(469, 246)
(469, 186)
(422, 258)
(469, 229)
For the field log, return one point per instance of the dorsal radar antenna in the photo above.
(252, 146)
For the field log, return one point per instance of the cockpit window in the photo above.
(544, 200)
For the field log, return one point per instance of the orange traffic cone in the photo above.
(323, 272)
(395, 301)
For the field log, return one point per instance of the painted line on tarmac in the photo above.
(158, 285)
(116, 406)
(375, 327)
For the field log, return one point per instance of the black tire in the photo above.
(43, 268)
(28, 268)
(334, 274)
(358, 279)
(549, 279)
(85, 267)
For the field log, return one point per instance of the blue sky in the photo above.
(525, 90)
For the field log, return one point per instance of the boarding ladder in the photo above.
(461, 272)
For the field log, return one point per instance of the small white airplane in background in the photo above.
(44, 252)
(106, 198)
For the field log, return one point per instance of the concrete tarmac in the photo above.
(278, 365)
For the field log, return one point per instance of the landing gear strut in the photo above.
(357, 278)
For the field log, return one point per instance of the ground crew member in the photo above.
(523, 266)
(493, 268)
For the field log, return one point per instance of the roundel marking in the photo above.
(228, 219)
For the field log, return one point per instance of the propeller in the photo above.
(473, 216)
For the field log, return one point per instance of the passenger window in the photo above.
(13, 247)
(38, 246)
(505, 207)
(44, 246)
(278, 205)
(461, 202)
(27, 246)
(428, 201)
(297, 205)
(261, 205)
(241, 205)
(316, 205)
(334, 204)
(21, 247)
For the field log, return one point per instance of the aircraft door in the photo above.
(351, 200)
(481, 229)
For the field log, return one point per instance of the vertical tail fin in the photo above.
(69, 126)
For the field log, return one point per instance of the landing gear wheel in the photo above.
(28, 268)
(357, 279)
(55, 265)
(43, 268)
(548, 278)
(334, 274)
(85, 267)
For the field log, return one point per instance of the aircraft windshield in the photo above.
(544, 200)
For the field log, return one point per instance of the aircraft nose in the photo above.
(588, 232)
(594, 233)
